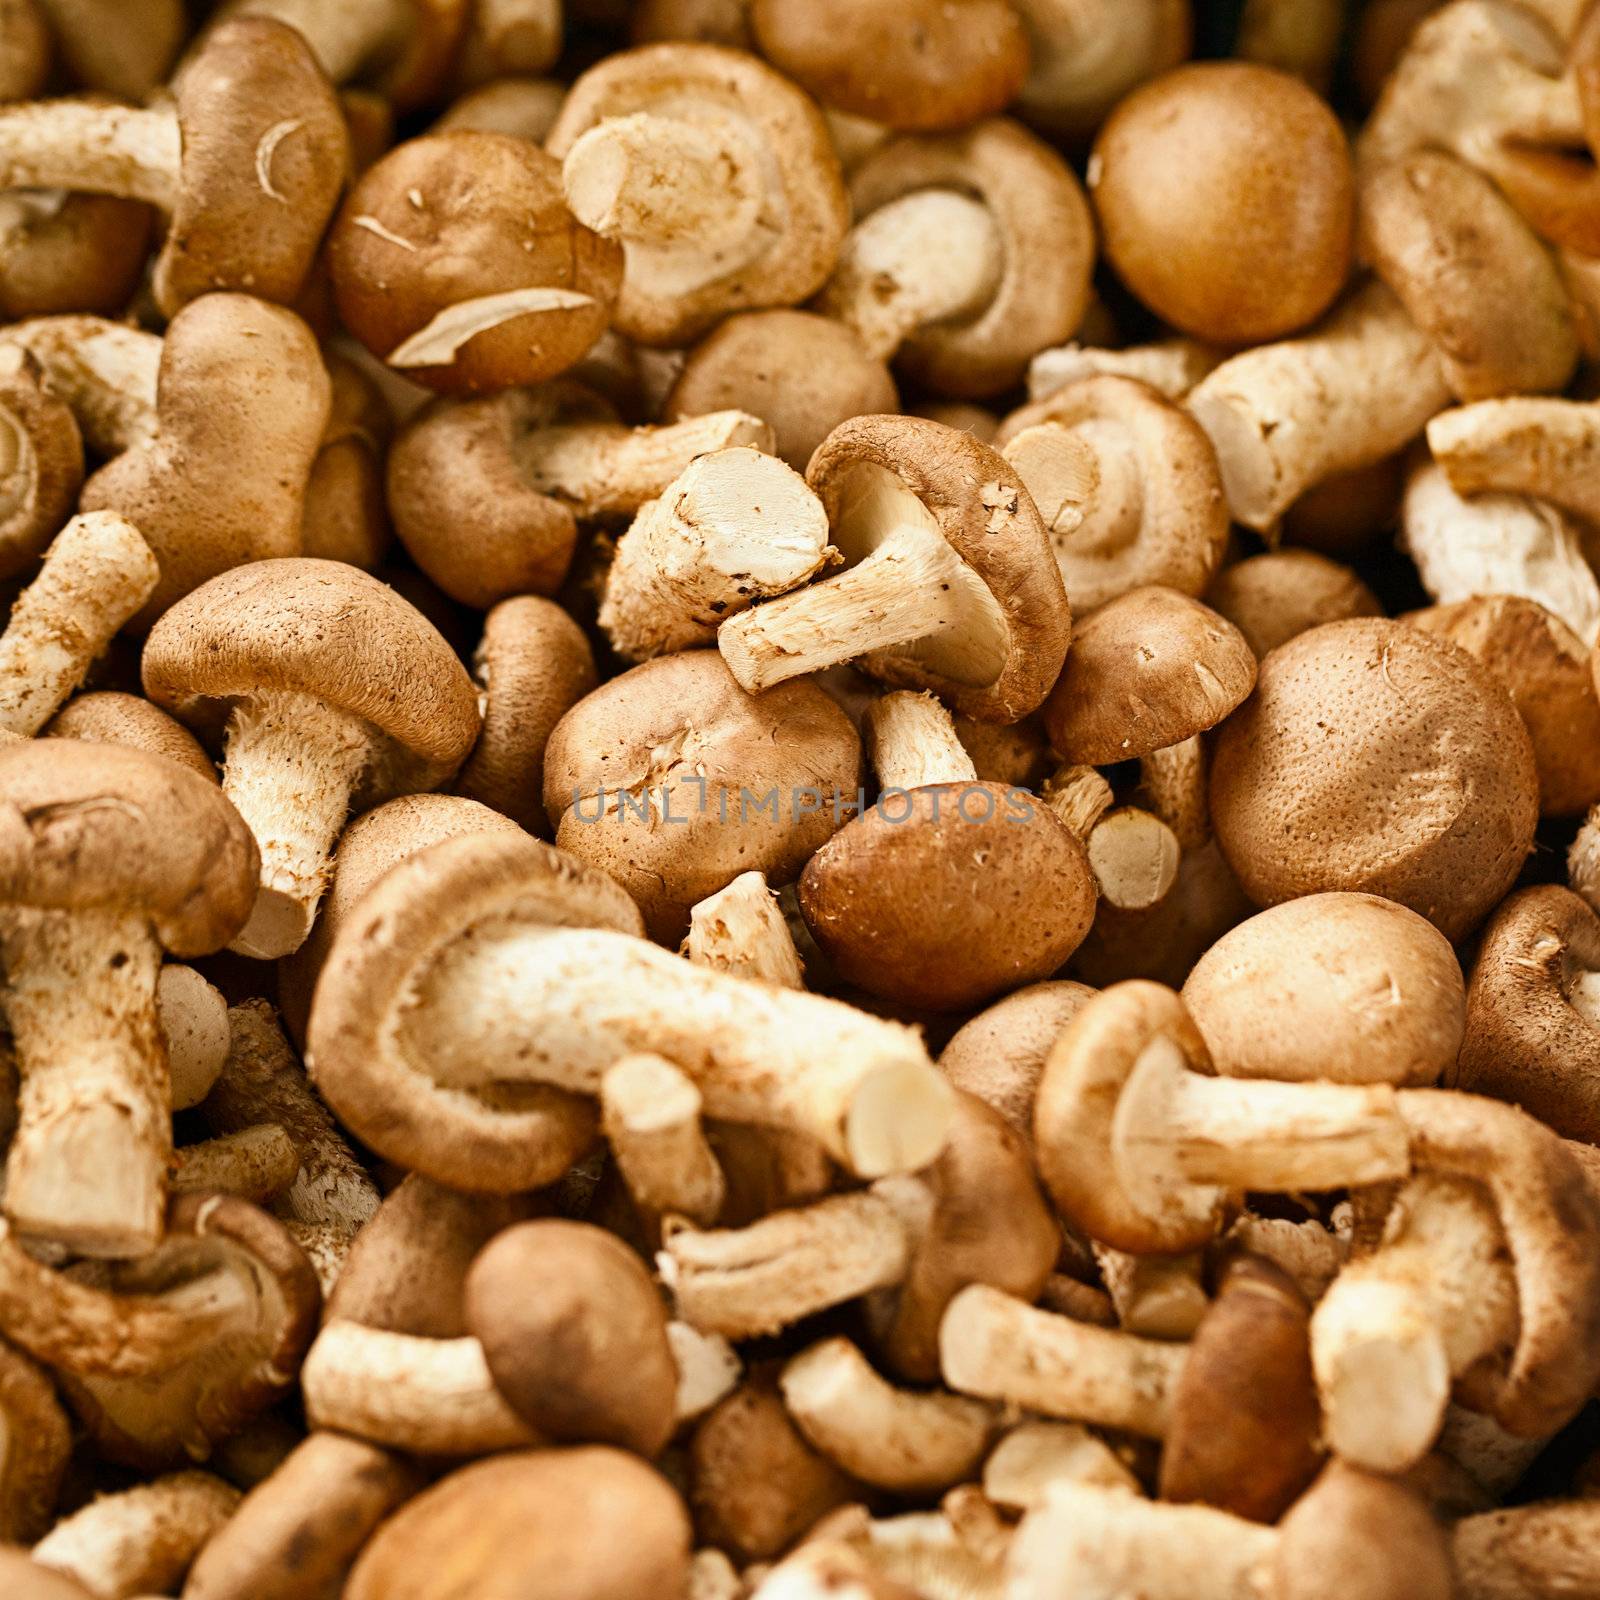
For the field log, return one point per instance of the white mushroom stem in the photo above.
(1079, 796)
(734, 527)
(87, 1167)
(1498, 544)
(650, 1112)
(670, 182)
(105, 373)
(602, 469)
(97, 572)
(343, 36)
(1398, 1326)
(908, 1441)
(999, 1348)
(1285, 416)
(912, 741)
(1062, 471)
(1583, 875)
(1157, 1297)
(1492, 1457)
(1173, 783)
(140, 1540)
(741, 1282)
(94, 147)
(1133, 854)
(292, 763)
(561, 1005)
(256, 1163)
(1549, 1550)
(1021, 1468)
(1171, 366)
(708, 1370)
(926, 257)
(1523, 444)
(741, 930)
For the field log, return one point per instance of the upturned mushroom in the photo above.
(330, 688)
(715, 174)
(946, 891)
(113, 856)
(484, 279)
(948, 585)
(41, 461)
(104, 372)
(1304, 775)
(246, 161)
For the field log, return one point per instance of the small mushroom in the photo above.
(1275, 597)
(246, 161)
(1305, 773)
(948, 584)
(481, 281)
(116, 49)
(522, 36)
(67, 251)
(331, 687)
(525, 108)
(41, 461)
(109, 717)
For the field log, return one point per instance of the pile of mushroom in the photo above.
(800, 800)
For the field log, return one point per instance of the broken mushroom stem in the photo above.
(741, 930)
(650, 1112)
(94, 147)
(913, 742)
(257, 1163)
(1133, 854)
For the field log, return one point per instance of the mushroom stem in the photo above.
(97, 572)
(1523, 444)
(651, 1115)
(708, 1370)
(1173, 781)
(106, 373)
(930, 256)
(561, 1005)
(92, 147)
(256, 1163)
(1079, 796)
(343, 37)
(741, 930)
(292, 763)
(1397, 1327)
(1171, 366)
(1532, 1552)
(997, 1347)
(1134, 856)
(87, 1167)
(913, 742)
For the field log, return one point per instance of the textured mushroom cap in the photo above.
(761, 781)
(1273, 597)
(109, 717)
(320, 628)
(72, 252)
(1527, 1041)
(1331, 986)
(1047, 239)
(1150, 669)
(1244, 1434)
(999, 1055)
(942, 897)
(265, 153)
(1355, 1536)
(1375, 758)
(492, 221)
(575, 1334)
(589, 1524)
(86, 826)
(1471, 274)
(1207, 172)
(1545, 667)
(990, 521)
(906, 63)
(41, 461)
(25, 1579)
(799, 372)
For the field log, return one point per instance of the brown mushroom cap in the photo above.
(1273, 597)
(1150, 669)
(680, 727)
(41, 462)
(1244, 1434)
(906, 63)
(1531, 1038)
(1545, 666)
(320, 628)
(69, 251)
(1331, 986)
(575, 1335)
(587, 1524)
(1207, 172)
(802, 373)
(345, 518)
(96, 826)
(109, 717)
(491, 223)
(944, 896)
(265, 152)
(1375, 758)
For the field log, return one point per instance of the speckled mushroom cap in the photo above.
(1347, 987)
(942, 897)
(989, 519)
(107, 716)
(41, 461)
(319, 628)
(804, 212)
(680, 726)
(265, 152)
(1375, 758)
(1150, 669)
(1047, 245)
(491, 226)
(924, 64)
(1272, 597)
(1527, 1041)
(85, 826)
